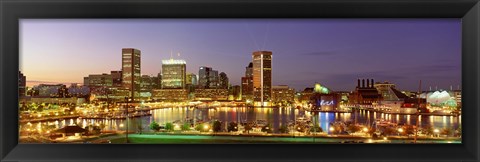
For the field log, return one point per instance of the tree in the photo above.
(202, 127)
(186, 126)
(267, 129)
(459, 131)
(428, 130)
(389, 131)
(283, 129)
(217, 126)
(446, 131)
(352, 128)
(248, 127)
(316, 129)
(154, 126)
(232, 127)
(169, 127)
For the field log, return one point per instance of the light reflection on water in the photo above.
(276, 117)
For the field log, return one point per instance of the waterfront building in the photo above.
(131, 71)
(170, 95)
(262, 77)
(174, 74)
(22, 84)
(365, 94)
(323, 99)
(98, 80)
(211, 94)
(343, 96)
(305, 95)
(235, 93)
(282, 94)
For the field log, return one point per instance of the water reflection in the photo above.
(276, 117)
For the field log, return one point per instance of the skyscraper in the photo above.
(22, 82)
(223, 80)
(174, 74)
(204, 77)
(131, 71)
(262, 77)
(247, 83)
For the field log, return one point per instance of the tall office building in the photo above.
(214, 80)
(174, 74)
(131, 78)
(262, 77)
(204, 77)
(247, 83)
(208, 78)
(22, 82)
(223, 80)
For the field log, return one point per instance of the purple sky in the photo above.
(333, 52)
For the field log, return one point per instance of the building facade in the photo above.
(131, 71)
(170, 95)
(223, 81)
(282, 94)
(98, 80)
(247, 83)
(211, 94)
(262, 77)
(22, 84)
(365, 94)
(174, 74)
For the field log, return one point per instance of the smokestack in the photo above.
(372, 83)
(368, 83)
(430, 88)
(358, 83)
(363, 83)
(451, 88)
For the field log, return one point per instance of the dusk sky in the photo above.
(333, 52)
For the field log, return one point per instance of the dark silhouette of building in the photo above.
(365, 94)
(22, 83)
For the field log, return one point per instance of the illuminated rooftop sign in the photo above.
(173, 62)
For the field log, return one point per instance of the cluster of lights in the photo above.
(173, 62)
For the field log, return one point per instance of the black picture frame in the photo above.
(13, 10)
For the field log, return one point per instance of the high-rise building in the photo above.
(208, 78)
(22, 83)
(174, 74)
(223, 81)
(262, 77)
(131, 75)
(247, 83)
(204, 77)
(214, 79)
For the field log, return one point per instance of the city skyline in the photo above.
(332, 52)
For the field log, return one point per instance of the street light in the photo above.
(436, 131)
(365, 129)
